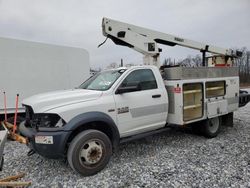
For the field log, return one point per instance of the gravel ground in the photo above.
(176, 158)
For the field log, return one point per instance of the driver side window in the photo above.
(143, 77)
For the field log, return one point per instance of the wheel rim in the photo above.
(91, 152)
(213, 125)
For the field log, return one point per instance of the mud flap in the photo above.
(227, 120)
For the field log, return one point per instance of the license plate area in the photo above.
(44, 140)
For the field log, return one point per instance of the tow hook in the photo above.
(31, 152)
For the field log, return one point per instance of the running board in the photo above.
(143, 135)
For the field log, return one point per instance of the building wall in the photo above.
(30, 68)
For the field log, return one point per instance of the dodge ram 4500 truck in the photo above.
(86, 124)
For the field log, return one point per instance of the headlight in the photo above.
(47, 120)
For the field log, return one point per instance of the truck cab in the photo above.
(118, 103)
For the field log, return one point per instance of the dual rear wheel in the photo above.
(210, 128)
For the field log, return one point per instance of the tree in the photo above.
(243, 64)
(197, 61)
(187, 62)
(168, 62)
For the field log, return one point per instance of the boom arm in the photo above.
(145, 41)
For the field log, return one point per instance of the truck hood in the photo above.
(46, 101)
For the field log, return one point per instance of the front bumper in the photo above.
(54, 150)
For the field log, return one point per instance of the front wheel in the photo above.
(89, 152)
(212, 127)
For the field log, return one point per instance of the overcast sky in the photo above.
(225, 23)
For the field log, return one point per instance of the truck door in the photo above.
(143, 110)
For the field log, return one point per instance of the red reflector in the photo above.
(177, 90)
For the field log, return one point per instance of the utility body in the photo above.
(86, 124)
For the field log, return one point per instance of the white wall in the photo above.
(29, 68)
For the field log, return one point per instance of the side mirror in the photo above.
(127, 89)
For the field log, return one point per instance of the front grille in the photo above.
(41, 119)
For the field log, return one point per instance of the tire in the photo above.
(89, 152)
(212, 127)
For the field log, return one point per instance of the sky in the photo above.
(77, 23)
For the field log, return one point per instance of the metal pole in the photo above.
(121, 62)
(204, 55)
(15, 117)
(203, 58)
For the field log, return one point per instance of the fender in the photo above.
(88, 117)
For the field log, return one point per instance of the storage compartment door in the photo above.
(192, 101)
(216, 108)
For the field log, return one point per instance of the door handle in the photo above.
(156, 96)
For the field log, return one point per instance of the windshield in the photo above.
(102, 81)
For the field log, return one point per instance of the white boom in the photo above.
(145, 41)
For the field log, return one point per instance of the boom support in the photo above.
(145, 41)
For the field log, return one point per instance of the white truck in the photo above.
(88, 123)
(29, 68)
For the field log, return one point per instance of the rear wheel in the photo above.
(212, 127)
(89, 152)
